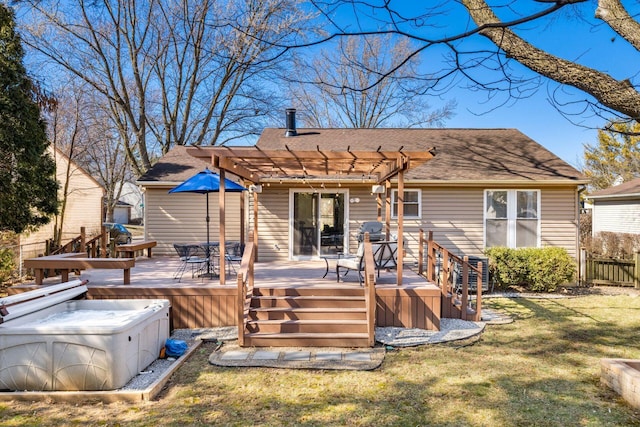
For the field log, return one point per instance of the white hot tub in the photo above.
(51, 341)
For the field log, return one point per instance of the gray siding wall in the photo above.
(619, 216)
(181, 218)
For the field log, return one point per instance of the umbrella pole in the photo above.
(208, 251)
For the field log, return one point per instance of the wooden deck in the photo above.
(204, 303)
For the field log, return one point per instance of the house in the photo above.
(83, 207)
(482, 188)
(311, 190)
(131, 196)
(616, 209)
(122, 212)
(181, 217)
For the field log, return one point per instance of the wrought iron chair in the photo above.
(190, 255)
(233, 256)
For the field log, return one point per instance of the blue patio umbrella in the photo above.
(206, 182)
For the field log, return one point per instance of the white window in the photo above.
(412, 204)
(512, 218)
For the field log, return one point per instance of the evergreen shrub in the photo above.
(535, 269)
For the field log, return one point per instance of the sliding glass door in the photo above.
(317, 223)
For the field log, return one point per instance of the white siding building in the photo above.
(617, 209)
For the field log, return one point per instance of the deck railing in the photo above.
(370, 289)
(245, 289)
(444, 278)
(95, 246)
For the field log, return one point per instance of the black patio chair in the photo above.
(233, 256)
(190, 256)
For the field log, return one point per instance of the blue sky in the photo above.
(573, 34)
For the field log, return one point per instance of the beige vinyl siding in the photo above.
(83, 209)
(455, 215)
(559, 218)
(273, 223)
(181, 218)
(616, 216)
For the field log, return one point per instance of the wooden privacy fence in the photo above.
(610, 271)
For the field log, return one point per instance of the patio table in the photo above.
(212, 250)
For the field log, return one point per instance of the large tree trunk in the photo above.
(619, 96)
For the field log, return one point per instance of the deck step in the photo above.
(307, 340)
(309, 301)
(298, 290)
(307, 326)
(293, 313)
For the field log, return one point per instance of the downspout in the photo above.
(578, 249)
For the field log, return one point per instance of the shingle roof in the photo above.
(175, 166)
(461, 154)
(625, 189)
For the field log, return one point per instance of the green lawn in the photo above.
(541, 370)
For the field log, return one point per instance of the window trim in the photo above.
(512, 215)
(394, 195)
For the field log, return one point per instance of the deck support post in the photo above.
(400, 225)
(387, 210)
(255, 225)
(221, 199)
(465, 288)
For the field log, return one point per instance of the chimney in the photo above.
(291, 122)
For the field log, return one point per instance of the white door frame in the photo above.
(293, 191)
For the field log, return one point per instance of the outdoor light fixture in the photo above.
(377, 189)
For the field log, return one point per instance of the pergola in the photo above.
(259, 166)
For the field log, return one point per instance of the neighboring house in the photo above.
(484, 187)
(181, 217)
(616, 209)
(132, 197)
(122, 212)
(83, 207)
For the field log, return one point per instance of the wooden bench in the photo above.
(77, 261)
(129, 250)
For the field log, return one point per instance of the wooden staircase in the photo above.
(451, 307)
(307, 316)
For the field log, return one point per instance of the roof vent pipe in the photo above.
(291, 122)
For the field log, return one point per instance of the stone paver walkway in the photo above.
(308, 358)
(229, 353)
